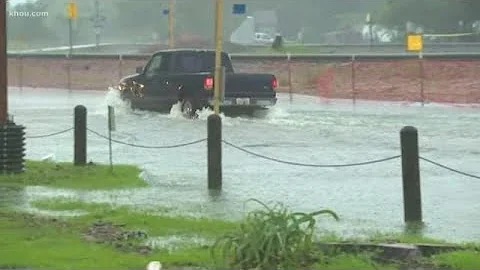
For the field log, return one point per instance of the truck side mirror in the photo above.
(139, 70)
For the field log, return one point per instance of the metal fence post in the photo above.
(422, 77)
(289, 67)
(120, 66)
(20, 72)
(412, 201)
(111, 127)
(354, 91)
(69, 72)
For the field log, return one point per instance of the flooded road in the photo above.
(367, 198)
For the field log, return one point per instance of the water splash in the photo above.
(276, 115)
(203, 114)
(113, 98)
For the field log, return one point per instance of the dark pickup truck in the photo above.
(186, 76)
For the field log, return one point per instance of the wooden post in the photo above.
(412, 200)
(80, 133)
(214, 145)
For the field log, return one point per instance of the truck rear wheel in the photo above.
(189, 108)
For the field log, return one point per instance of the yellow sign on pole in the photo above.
(72, 10)
(414, 42)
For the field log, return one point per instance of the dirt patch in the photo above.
(454, 81)
(109, 233)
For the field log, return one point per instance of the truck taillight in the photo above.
(274, 82)
(208, 83)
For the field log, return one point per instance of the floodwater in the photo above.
(308, 130)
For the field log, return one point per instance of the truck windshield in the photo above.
(200, 62)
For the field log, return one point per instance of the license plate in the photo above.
(264, 102)
(242, 101)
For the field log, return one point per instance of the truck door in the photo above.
(154, 81)
(166, 94)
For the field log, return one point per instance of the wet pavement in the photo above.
(367, 198)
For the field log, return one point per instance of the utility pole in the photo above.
(97, 16)
(3, 64)
(97, 19)
(71, 14)
(70, 36)
(370, 30)
(171, 43)
(218, 54)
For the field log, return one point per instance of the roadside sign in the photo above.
(239, 8)
(72, 10)
(414, 42)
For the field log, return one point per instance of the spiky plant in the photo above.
(270, 238)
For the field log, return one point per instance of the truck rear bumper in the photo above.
(246, 102)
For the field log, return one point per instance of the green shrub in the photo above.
(269, 238)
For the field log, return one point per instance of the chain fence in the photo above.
(257, 155)
(439, 80)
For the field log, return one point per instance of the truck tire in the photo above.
(189, 108)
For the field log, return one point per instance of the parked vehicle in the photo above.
(187, 76)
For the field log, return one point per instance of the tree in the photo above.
(442, 16)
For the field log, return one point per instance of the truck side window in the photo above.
(166, 62)
(199, 62)
(188, 63)
(154, 66)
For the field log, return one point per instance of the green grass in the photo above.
(350, 261)
(66, 175)
(468, 259)
(163, 224)
(41, 242)
(155, 223)
(35, 241)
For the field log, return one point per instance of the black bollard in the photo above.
(214, 145)
(80, 139)
(412, 201)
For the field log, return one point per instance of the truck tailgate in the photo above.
(249, 85)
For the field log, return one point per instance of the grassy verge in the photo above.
(92, 240)
(105, 238)
(114, 237)
(65, 175)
